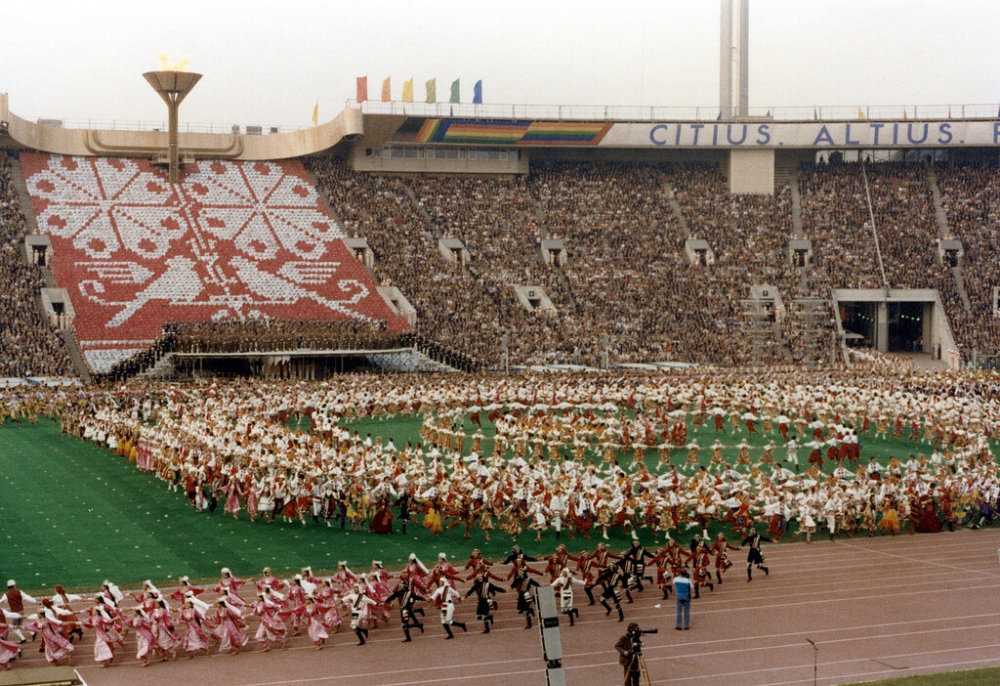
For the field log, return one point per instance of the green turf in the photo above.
(75, 514)
(975, 677)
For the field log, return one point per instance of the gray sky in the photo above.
(268, 62)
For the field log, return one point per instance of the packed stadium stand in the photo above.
(234, 241)
(626, 280)
(29, 345)
(238, 241)
(971, 195)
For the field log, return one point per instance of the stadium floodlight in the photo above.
(173, 86)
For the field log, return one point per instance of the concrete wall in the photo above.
(751, 172)
(362, 160)
(348, 125)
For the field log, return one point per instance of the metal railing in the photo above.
(577, 113)
(144, 125)
(675, 113)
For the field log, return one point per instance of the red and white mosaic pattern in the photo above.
(233, 240)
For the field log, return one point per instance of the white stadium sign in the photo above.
(818, 134)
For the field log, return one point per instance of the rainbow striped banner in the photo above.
(565, 133)
(470, 132)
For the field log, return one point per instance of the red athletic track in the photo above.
(876, 608)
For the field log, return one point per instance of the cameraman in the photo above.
(629, 649)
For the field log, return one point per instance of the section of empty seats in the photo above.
(232, 241)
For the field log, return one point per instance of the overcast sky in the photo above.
(268, 62)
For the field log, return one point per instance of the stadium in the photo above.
(355, 349)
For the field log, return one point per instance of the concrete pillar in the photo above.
(743, 92)
(882, 327)
(726, 60)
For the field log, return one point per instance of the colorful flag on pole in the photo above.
(454, 92)
(315, 116)
(386, 93)
(431, 90)
(861, 113)
(362, 89)
(477, 93)
(408, 91)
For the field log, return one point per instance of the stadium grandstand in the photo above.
(593, 327)
(560, 243)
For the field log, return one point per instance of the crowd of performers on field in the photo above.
(568, 452)
(237, 615)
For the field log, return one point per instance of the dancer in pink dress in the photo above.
(102, 621)
(315, 613)
(195, 638)
(143, 636)
(167, 640)
(228, 581)
(271, 608)
(57, 646)
(228, 621)
(326, 596)
(9, 651)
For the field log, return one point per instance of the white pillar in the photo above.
(726, 60)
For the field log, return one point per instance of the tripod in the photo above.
(637, 674)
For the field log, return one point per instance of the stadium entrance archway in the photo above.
(894, 321)
(906, 326)
(858, 320)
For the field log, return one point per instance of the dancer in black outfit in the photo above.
(610, 578)
(486, 604)
(754, 555)
(636, 557)
(407, 599)
(523, 584)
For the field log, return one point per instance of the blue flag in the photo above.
(477, 93)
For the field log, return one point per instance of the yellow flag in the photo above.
(861, 113)
(408, 91)
(315, 116)
(432, 90)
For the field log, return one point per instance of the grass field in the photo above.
(76, 514)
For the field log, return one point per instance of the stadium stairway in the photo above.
(944, 230)
(797, 230)
(671, 197)
(412, 195)
(23, 196)
(76, 355)
(960, 287)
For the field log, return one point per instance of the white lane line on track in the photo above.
(843, 678)
(569, 666)
(924, 561)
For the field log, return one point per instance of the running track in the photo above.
(876, 608)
